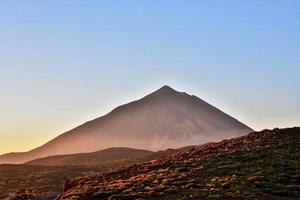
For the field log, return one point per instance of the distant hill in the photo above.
(109, 157)
(261, 165)
(161, 120)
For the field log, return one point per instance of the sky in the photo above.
(63, 63)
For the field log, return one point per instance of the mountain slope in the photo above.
(261, 165)
(163, 119)
(107, 157)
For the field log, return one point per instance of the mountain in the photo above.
(108, 157)
(163, 119)
(261, 165)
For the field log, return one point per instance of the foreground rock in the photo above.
(261, 165)
(33, 195)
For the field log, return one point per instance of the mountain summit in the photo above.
(163, 119)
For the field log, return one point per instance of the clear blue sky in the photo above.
(65, 62)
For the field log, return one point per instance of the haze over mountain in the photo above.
(163, 119)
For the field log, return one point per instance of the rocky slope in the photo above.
(46, 176)
(261, 165)
(33, 180)
(161, 120)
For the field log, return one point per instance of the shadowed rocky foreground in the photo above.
(261, 165)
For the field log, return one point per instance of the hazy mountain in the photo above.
(108, 157)
(163, 119)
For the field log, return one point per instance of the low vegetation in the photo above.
(36, 179)
(42, 176)
(261, 165)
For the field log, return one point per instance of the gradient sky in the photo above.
(66, 62)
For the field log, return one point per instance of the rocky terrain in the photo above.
(27, 179)
(261, 165)
(47, 175)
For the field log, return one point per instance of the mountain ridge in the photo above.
(160, 120)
